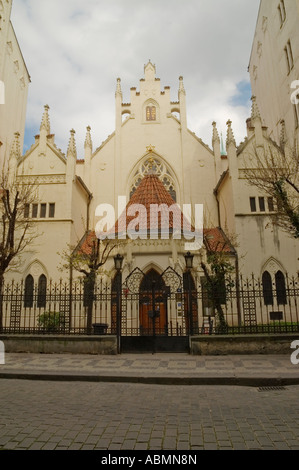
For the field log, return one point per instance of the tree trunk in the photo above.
(222, 328)
(90, 285)
(1, 301)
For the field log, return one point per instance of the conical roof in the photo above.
(151, 209)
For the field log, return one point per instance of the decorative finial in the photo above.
(118, 86)
(45, 124)
(215, 133)
(150, 148)
(72, 145)
(88, 141)
(230, 135)
(16, 146)
(181, 87)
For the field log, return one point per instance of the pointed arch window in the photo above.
(42, 292)
(155, 166)
(151, 113)
(281, 291)
(267, 288)
(29, 292)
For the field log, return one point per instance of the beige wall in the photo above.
(109, 172)
(14, 74)
(270, 79)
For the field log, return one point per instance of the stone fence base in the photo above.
(46, 344)
(243, 344)
(107, 345)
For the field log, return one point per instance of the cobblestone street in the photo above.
(61, 415)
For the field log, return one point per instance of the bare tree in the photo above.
(275, 172)
(17, 231)
(87, 258)
(217, 268)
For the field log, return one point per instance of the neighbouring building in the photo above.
(14, 82)
(274, 67)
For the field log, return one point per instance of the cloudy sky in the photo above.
(75, 51)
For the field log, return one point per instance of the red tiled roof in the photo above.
(216, 241)
(151, 193)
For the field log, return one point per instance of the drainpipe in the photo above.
(88, 211)
(237, 267)
(218, 207)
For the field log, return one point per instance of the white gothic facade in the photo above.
(151, 136)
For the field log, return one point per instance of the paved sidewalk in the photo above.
(167, 369)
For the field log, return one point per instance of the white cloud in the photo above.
(75, 51)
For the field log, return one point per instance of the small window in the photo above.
(52, 210)
(289, 56)
(34, 211)
(42, 292)
(27, 211)
(267, 288)
(252, 204)
(282, 12)
(271, 204)
(151, 114)
(262, 204)
(29, 292)
(296, 114)
(43, 211)
(281, 292)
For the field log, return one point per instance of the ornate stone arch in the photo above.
(151, 266)
(36, 268)
(272, 266)
(156, 165)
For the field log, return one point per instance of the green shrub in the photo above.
(51, 321)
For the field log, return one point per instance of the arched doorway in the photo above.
(153, 305)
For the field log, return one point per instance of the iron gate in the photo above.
(155, 312)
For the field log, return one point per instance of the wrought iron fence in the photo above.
(172, 308)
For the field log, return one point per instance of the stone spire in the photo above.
(16, 146)
(216, 149)
(88, 141)
(45, 124)
(215, 134)
(181, 86)
(118, 87)
(72, 151)
(230, 135)
(15, 154)
(256, 122)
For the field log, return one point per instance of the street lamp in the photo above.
(118, 262)
(189, 260)
(189, 265)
